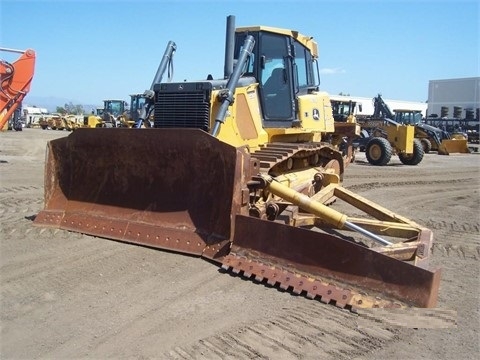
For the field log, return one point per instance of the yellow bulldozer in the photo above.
(243, 171)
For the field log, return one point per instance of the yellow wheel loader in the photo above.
(137, 101)
(431, 137)
(241, 171)
(112, 114)
(382, 137)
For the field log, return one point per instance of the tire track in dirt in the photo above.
(20, 189)
(461, 245)
(19, 201)
(82, 271)
(453, 226)
(309, 331)
(41, 268)
(414, 201)
(417, 183)
(38, 264)
(451, 236)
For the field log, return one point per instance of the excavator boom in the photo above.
(16, 79)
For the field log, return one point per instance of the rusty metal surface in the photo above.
(171, 189)
(185, 191)
(326, 259)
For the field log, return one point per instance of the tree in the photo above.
(79, 109)
(73, 109)
(60, 110)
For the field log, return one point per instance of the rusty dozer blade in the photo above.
(325, 266)
(170, 189)
(329, 267)
(184, 190)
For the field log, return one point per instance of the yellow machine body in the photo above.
(237, 170)
(401, 137)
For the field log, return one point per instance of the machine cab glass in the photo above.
(283, 67)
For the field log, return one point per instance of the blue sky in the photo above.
(88, 51)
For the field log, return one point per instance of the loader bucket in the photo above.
(453, 146)
(166, 188)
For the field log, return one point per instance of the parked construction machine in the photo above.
(111, 115)
(432, 138)
(132, 118)
(137, 102)
(382, 137)
(15, 78)
(113, 111)
(242, 171)
(468, 126)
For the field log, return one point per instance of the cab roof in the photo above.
(306, 41)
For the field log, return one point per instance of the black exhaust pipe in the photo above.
(229, 46)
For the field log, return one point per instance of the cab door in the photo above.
(276, 80)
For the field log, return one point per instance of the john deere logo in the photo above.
(316, 114)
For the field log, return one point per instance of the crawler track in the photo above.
(277, 158)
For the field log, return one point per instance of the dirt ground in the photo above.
(66, 295)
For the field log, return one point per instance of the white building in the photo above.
(364, 105)
(32, 114)
(453, 97)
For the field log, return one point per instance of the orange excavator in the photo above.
(16, 79)
(243, 171)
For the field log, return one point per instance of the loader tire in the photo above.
(378, 151)
(416, 157)
(426, 144)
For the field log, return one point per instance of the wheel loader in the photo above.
(243, 171)
(110, 115)
(382, 137)
(130, 118)
(431, 137)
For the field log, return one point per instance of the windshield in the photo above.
(114, 107)
(408, 117)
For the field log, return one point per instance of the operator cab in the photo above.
(283, 66)
(343, 110)
(114, 107)
(112, 110)
(137, 102)
(408, 117)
